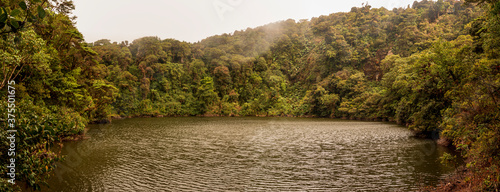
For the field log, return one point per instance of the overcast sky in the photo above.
(194, 20)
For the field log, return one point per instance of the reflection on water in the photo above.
(247, 154)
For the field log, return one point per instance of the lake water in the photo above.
(247, 154)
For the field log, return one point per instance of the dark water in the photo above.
(247, 154)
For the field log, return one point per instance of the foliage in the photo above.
(433, 67)
(37, 129)
(59, 85)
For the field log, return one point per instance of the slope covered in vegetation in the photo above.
(432, 66)
(58, 83)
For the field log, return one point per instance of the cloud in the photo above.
(194, 20)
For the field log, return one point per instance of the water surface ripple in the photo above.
(247, 154)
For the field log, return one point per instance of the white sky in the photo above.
(194, 20)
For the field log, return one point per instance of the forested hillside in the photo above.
(432, 66)
(59, 86)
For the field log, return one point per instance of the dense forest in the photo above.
(432, 66)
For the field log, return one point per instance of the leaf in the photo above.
(3, 17)
(2, 24)
(41, 12)
(15, 12)
(14, 23)
(23, 5)
(37, 1)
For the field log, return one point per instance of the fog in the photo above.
(194, 20)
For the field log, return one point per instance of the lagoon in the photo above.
(247, 154)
